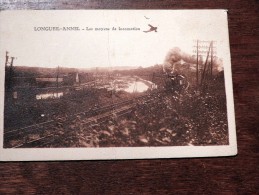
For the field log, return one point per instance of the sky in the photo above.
(85, 49)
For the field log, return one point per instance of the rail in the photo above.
(92, 115)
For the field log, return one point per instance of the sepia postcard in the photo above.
(115, 84)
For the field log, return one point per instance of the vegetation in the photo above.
(168, 117)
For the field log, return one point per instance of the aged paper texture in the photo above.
(115, 84)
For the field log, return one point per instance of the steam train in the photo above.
(176, 82)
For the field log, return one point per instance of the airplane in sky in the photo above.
(152, 28)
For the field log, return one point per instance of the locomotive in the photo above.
(176, 82)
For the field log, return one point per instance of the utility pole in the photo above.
(57, 79)
(201, 48)
(197, 67)
(205, 66)
(6, 58)
(11, 69)
(9, 72)
(11, 64)
(211, 65)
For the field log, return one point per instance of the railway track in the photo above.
(42, 134)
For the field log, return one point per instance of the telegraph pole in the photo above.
(211, 66)
(205, 66)
(57, 80)
(9, 72)
(201, 49)
(197, 67)
(11, 64)
(6, 58)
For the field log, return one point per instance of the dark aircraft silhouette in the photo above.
(152, 28)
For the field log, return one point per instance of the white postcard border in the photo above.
(50, 154)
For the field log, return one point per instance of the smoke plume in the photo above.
(175, 55)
